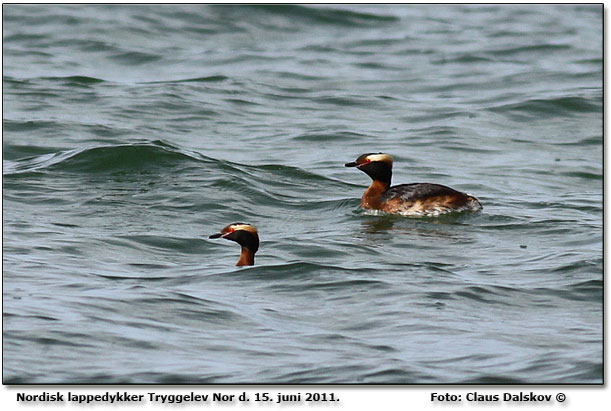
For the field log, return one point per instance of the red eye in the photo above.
(365, 163)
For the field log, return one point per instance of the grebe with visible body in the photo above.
(244, 234)
(418, 199)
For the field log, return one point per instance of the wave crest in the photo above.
(104, 159)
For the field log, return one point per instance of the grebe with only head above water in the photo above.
(244, 234)
(418, 199)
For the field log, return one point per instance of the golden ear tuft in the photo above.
(386, 158)
(242, 226)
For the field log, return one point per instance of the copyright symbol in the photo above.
(560, 397)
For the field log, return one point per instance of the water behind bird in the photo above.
(128, 141)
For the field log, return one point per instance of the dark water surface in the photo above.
(131, 133)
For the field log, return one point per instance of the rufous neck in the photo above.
(372, 195)
(247, 257)
(377, 187)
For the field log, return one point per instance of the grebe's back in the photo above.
(427, 199)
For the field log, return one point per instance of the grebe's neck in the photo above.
(247, 257)
(371, 198)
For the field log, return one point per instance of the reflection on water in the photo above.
(415, 225)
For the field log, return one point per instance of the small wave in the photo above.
(585, 291)
(75, 80)
(296, 76)
(583, 174)
(207, 79)
(140, 279)
(174, 378)
(464, 59)
(12, 81)
(345, 101)
(537, 48)
(320, 15)
(589, 285)
(104, 159)
(482, 294)
(163, 243)
(191, 308)
(23, 37)
(493, 379)
(588, 141)
(270, 178)
(331, 374)
(393, 375)
(132, 58)
(589, 290)
(293, 270)
(323, 137)
(551, 107)
(30, 125)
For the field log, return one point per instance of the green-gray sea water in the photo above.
(131, 133)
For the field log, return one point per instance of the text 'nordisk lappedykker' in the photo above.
(125, 397)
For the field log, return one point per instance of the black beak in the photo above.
(353, 164)
(217, 235)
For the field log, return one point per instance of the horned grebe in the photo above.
(423, 199)
(244, 234)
